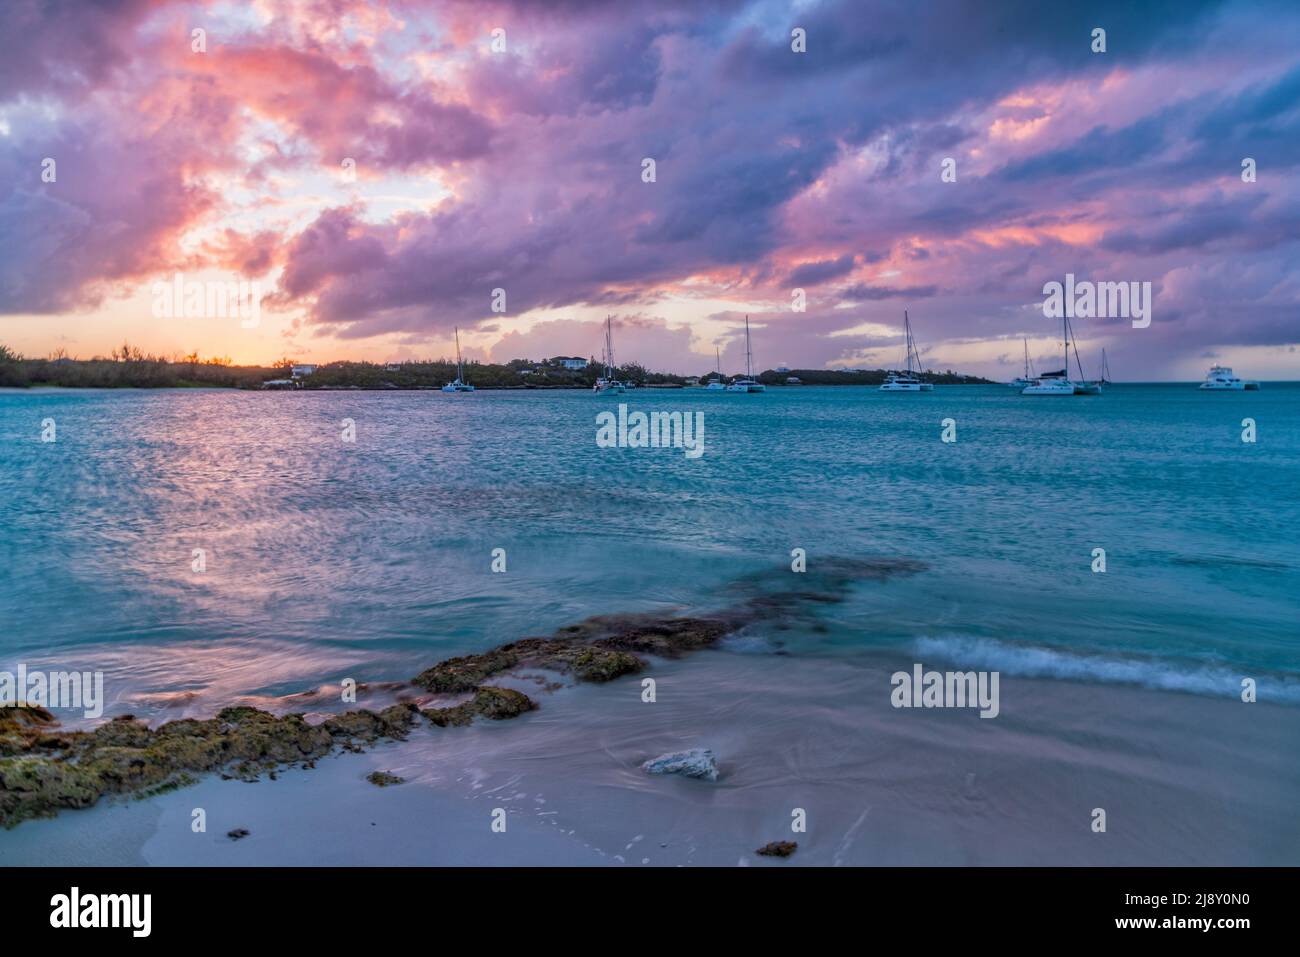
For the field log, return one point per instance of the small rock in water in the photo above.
(695, 763)
(237, 833)
(382, 779)
(778, 848)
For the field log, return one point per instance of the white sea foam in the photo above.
(1036, 662)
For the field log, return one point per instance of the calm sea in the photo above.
(324, 558)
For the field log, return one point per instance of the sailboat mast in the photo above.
(1026, 358)
(609, 347)
(911, 346)
(1077, 361)
(1065, 343)
(749, 356)
(460, 369)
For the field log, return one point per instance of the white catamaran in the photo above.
(1057, 383)
(907, 381)
(716, 385)
(1083, 386)
(459, 384)
(607, 384)
(747, 383)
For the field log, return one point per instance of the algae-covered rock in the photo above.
(125, 756)
(599, 664)
(22, 726)
(668, 638)
(368, 726)
(35, 786)
(456, 675)
(778, 848)
(497, 704)
(384, 779)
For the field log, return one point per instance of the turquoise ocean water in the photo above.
(327, 559)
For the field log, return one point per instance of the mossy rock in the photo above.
(22, 726)
(667, 638)
(599, 664)
(496, 704)
(457, 675)
(40, 787)
(125, 756)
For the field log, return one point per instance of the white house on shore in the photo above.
(570, 362)
(299, 371)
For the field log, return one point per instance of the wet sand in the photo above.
(1184, 779)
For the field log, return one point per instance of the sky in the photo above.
(374, 172)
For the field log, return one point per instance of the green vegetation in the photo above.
(864, 377)
(128, 367)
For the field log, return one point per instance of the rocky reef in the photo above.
(45, 769)
(496, 704)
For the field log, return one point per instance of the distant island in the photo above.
(128, 368)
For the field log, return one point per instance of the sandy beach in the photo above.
(1183, 779)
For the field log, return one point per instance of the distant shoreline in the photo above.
(131, 369)
(57, 387)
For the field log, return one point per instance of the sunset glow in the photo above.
(379, 169)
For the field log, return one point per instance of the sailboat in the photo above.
(1083, 386)
(717, 385)
(1105, 369)
(1019, 382)
(747, 383)
(607, 384)
(907, 382)
(459, 384)
(1055, 383)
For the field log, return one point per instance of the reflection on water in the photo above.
(327, 559)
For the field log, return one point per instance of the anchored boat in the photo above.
(747, 383)
(717, 385)
(458, 384)
(1056, 383)
(907, 381)
(1021, 381)
(608, 384)
(1083, 386)
(1221, 379)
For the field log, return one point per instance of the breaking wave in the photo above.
(1036, 662)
